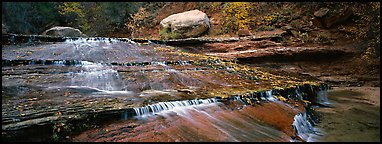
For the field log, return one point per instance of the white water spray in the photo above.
(162, 106)
(322, 97)
(303, 127)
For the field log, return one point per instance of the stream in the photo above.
(108, 89)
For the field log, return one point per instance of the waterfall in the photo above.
(266, 95)
(159, 63)
(162, 106)
(184, 62)
(32, 62)
(95, 77)
(298, 93)
(31, 39)
(98, 76)
(303, 127)
(12, 40)
(237, 98)
(322, 96)
(269, 96)
(90, 40)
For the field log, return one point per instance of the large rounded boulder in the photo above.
(64, 32)
(187, 24)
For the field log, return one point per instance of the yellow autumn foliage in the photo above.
(235, 16)
(137, 21)
(74, 10)
(71, 7)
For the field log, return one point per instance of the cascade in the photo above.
(303, 127)
(322, 96)
(162, 106)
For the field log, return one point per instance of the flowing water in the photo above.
(166, 95)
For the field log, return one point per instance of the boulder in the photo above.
(64, 32)
(184, 25)
(337, 17)
(321, 12)
(328, 18)
(244, 32)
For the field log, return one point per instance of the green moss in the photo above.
(166, 33)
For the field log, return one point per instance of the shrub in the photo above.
(29, 17)
(368, 24)
(97, 19)
(136, 22)
(74, 15)
(235, 16)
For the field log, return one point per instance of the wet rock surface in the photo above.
(354, 117)
(338, 65)
(61, 86)
(214, 122)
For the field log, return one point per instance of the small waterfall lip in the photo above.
(90, 40)
(128, 40)
(72, 62)
(6, 62)
(322, 96)
(269, 95)
(93, 89)
(96, 78)
(261, 95)
(162, 63)
(298, 93)
(12, 39)
(95, 67)
(100, 76)
(184, 62)
(153, 109)
(304, 128)
(152, 42)
(86, 63)
(172, 70)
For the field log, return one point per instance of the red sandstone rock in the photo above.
(244, 32)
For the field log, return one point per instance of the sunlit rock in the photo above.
(64, 32)
(184, 25)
